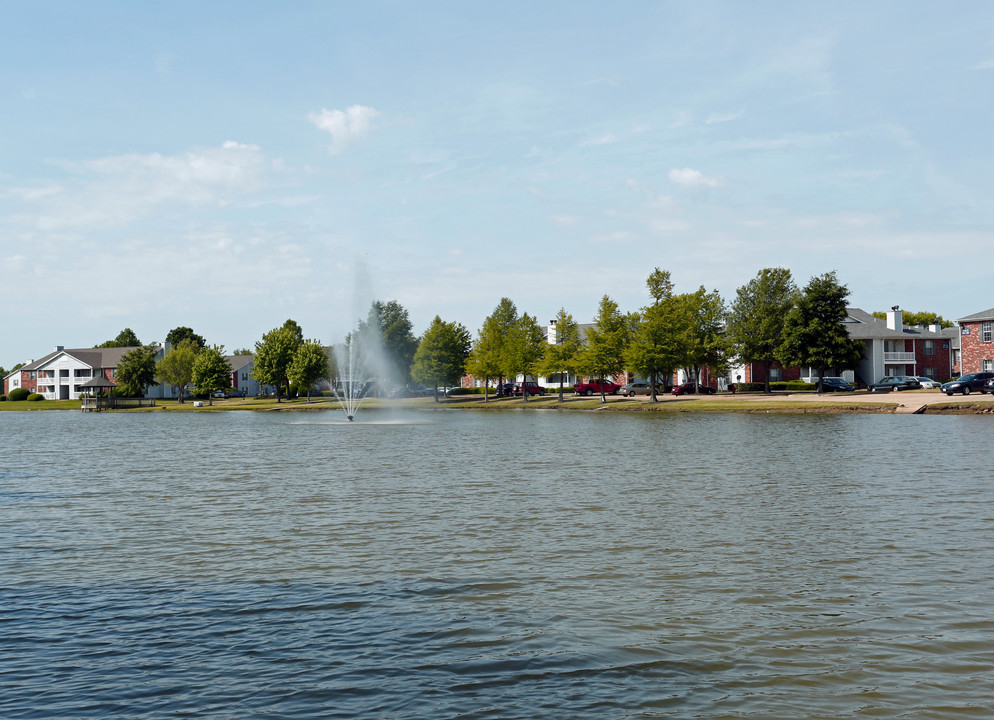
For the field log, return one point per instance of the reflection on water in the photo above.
(495, 565)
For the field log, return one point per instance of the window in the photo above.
(985, 331)
(891, 346)
(244, 376)
(33, 375)
(776, 374)
(930, 347)
(987, 365)
(930, 373)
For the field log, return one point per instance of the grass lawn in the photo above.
(722, 403)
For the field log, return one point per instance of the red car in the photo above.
(595, 386)
(693, 388)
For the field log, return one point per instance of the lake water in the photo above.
(465, 564)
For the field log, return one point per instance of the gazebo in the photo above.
(97, 383)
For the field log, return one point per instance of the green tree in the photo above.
(273, 357)
(814, 334)
(294, 328)
(211, 371)
(756, 320)
(125, 338)
(486, 360)
(607, 342)
(386, 335)
(654, 351)
(178, 334)
(310, 364)
(562, 357)
(176, 366)
(705, 344)
(441, 355)
(242, 351)
(136, 371)
(524, 349)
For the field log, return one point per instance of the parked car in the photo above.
(505, 389)
(530, 387)
(236, 393)
(836, 384)
(967, 383)
(988, 386)
(637, 388)
(596, 386)
(693, 389)
(928, 383)
(895, 382)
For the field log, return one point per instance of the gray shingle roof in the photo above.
(985, 315)
(863, 326)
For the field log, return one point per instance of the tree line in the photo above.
(770, 322)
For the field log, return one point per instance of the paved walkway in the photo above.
(909, 402)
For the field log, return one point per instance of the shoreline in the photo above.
(861, 402)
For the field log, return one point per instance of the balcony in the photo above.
(899, 357)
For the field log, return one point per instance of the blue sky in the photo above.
(229, 165)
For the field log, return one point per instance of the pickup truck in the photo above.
(596, 386)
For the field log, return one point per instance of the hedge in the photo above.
(792, 386)
(18, 394)
(35, 397)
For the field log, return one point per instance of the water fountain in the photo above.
(361, 358)
(351, 393)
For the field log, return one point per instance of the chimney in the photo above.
(59, 348)
(895, 319)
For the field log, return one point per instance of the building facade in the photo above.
(976, 336)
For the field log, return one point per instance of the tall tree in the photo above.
(386, 335)
(178, 334)
(212, 371)
(654, 351)
(562, 357)
(441, 355)
(273, 356)
(815, 335)
(756, 320)
(524, 349)
(241, 351)
(607, 342)
(136, 371)
(176, 366)
(705, 342)
(125, 338)
(294, 328)
(486, 360)
(310, 364)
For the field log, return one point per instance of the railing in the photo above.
(114, 403)
(899, 357)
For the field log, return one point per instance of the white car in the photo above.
(929, 383)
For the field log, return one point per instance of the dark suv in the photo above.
(967, 383)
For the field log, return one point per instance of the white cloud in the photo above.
(563, 220)
(346, 126)
(694, 178)
(607, 138)
(723, 117)
(120, 189)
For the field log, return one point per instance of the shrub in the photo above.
(35, 397)
(18, 394)
(792, 386)
(3, 398)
